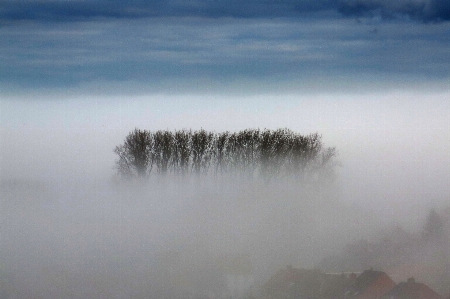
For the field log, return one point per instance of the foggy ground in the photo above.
(106, 240)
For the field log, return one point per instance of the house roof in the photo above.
(366, 279)
(417, 270)
(412, 290)
(371, 284)
(335, 285)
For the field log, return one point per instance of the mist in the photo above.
(369, 79)
(70, 229)
(103, 241)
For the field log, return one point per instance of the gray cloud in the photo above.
(45, 10)
(179, 52)
(75, 10)
(422, 10)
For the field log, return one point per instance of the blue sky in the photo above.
(372, 76)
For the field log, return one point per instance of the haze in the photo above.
(75, 81)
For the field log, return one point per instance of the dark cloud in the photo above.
(73, 10)
(76, 10)
(167, 54)
(422, 10)
(47, 10)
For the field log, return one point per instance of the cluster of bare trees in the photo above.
(251, 153)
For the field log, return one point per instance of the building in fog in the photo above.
(411, 290)
(370, 285)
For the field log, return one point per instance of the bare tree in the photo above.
(248, 146)
(162, 150)
(250, 153)
(201, 150)
(220, 152)
(182, 148)
(135, 156)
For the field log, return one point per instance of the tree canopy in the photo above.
(249, 153)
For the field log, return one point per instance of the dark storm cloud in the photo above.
(54, 10)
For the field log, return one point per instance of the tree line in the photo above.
(252, 153)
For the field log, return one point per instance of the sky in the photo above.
(371, 76)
